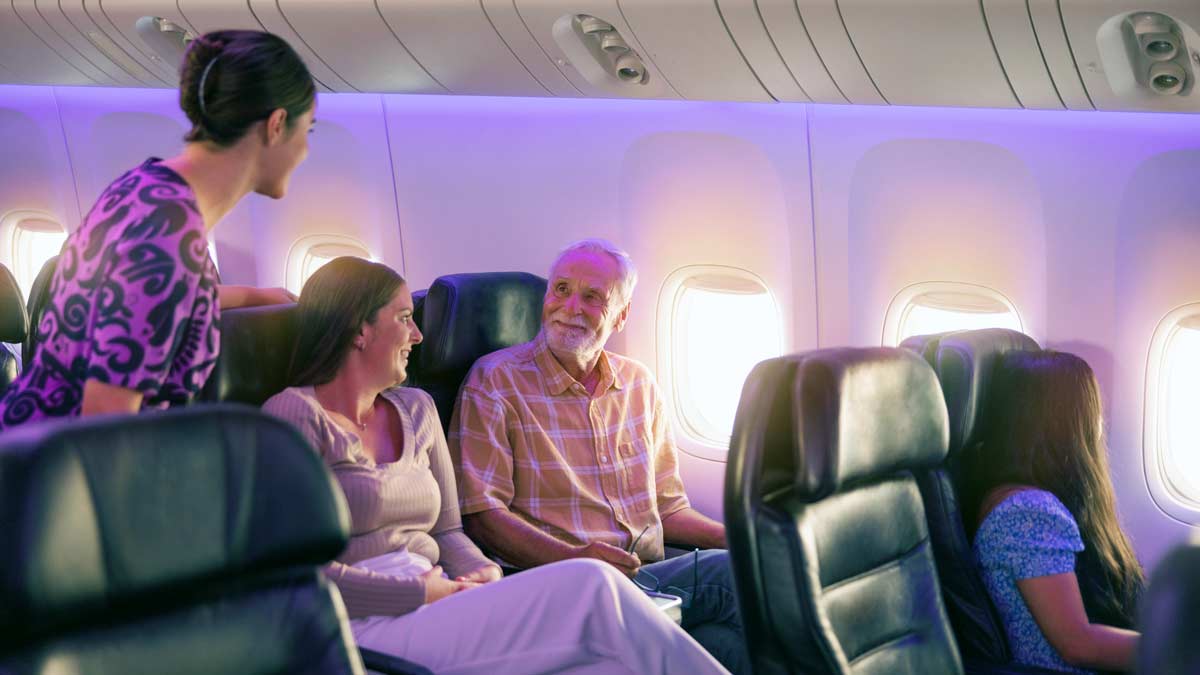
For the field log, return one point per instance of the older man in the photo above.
(563, 450)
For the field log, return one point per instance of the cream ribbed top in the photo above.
(411, 503)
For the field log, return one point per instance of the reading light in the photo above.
(612, 43)
(1167, 78)
(630, 68)
(590, 25)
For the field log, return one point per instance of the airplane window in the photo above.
(722, 322)
(35, 238)
(212, 252)
(1172, 426)
(937, 307)
(310, 253)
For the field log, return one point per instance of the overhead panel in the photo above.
(790, 37)
(122, 17)
(690, 43)
(29, 15)
(459, 47)
(511, 28)
(270, 18)
(208, 15)
(745, 24)
(1048, 27)
(573, 48)
(1016, 44)
(27, 59)
(89, 19)
(73, 25)
(1115, 62)
(823, 21)
(916, 56)
(352, 37)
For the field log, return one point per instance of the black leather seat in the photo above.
(464, 317)
(39, 295)
(825, 523)
(14, 327)
(963, 361)
(184, 542)
(1170, 614)
(256, 354)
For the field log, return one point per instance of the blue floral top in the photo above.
(1029, 534)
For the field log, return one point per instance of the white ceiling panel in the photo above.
(357, 44)
(455, 41)
(916, 57)
(1048, 26)
(790, 36)
(28, 59)
(72, 25)
(28, 14)
(690, 43)
(823, 23)
(1017, 46)
(89, 19)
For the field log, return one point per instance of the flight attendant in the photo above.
(132, 317)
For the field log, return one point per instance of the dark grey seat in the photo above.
(1170, 614)
(39, 295)
(826, 526)
(14, 326)
(963, 362)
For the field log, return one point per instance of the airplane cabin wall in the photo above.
(1086, 221)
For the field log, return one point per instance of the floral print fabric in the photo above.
(133, 303)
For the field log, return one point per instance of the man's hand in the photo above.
(438, 587)
(627, 563)
(483, 575)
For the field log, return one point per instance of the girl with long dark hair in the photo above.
(1040, 500)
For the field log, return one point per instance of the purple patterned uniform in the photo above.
(133, 303)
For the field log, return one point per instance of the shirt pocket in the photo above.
(637, 474)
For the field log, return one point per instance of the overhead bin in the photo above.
(158, 44)
(928, 53)
(1017, 46)
(789, 34)
(823, 24)
(87, 46)
(352, 38)
(26, 12)
(1052, 41)
(26, 57)
(745, 25)
(457, 44)
(688, 40)
(88, 18)
(208, 15)
(1127, 51)
(589, 44)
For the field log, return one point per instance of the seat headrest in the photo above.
(39, 295)
(964, 361)
(14, 317)
(98, 513)
(465, 316)
(1169, 614)
(256, 354)
(862, 413)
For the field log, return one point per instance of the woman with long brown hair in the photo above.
(1040, 501)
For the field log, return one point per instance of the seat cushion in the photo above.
(105, 513)
(256, 355)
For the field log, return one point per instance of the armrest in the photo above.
(386, 664)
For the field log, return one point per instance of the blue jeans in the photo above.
(710, 612)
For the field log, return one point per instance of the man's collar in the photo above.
(559, 380)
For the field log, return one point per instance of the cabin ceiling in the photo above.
(1037, 54)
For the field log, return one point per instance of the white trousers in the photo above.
(576, 616)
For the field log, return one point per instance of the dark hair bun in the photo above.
(246, 75)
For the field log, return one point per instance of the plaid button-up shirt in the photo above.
(527, 437)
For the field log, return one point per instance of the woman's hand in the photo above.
(483, 575)
(232, 297)
(438, 586)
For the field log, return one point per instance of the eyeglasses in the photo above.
(655, 585)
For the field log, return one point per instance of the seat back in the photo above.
(14, 326)
(466, 316)
(39, 295)
(184, 541)
(963, 362)
(1169, 615)
(825, 522)
(256, 354)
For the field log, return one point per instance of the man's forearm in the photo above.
(689, 527)
(507, 535)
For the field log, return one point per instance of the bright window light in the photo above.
(35, 240)
(722, 326)
(938, 307)
(312, 253)
(1180, 440)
